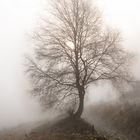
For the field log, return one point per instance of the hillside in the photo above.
(119, 120)
(64, 129)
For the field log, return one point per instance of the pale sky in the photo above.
(19, 17)
(124, 15)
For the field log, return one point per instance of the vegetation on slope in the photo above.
(66, 129)
(123, 118)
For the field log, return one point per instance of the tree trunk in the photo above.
(80, 109)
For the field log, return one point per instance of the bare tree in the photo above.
(73, 50)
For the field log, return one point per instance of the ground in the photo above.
(65, 129)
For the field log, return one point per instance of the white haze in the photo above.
(17, 19)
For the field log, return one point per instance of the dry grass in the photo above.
(65, 129)
(122, 117)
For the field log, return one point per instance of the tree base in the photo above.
(74, 124)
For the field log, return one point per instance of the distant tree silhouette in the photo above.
(73, 50)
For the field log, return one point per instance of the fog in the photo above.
(18, 18)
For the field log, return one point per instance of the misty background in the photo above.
(18, 19)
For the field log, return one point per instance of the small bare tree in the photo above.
(74, 50)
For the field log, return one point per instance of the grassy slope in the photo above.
(65, 129)
(123, 118)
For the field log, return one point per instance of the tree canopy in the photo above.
(74, 49)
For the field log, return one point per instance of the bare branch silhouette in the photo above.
(73, 50)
